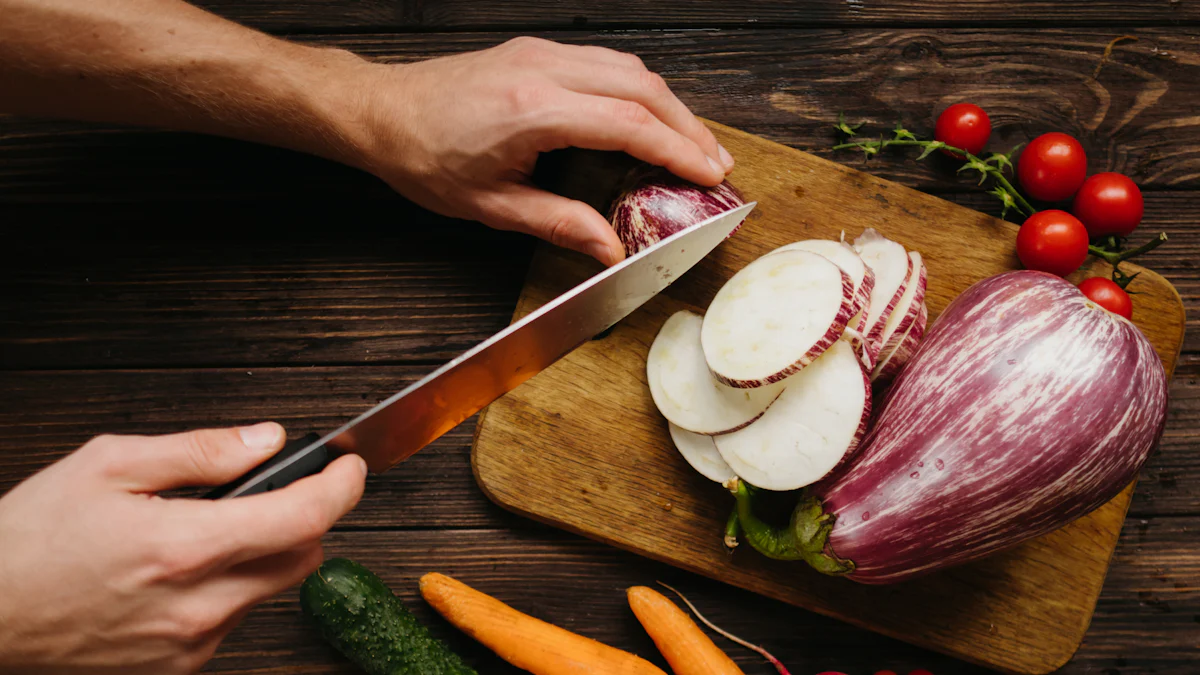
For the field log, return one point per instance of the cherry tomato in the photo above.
(1107, 294)
(1108, 203)
(1052, 167)
(963, 125)
(1052, 241)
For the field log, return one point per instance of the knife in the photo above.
(393, 430)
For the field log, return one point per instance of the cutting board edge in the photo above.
(1056, 660)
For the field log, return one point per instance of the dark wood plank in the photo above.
(125, 286)
(465, 15)
(1145, 623)
(787, 85)
(250, 284)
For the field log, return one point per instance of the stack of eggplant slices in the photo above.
(773, 383)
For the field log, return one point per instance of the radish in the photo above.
(686, 392)
(907, 308)
(1026, 406)
(656, 204)
(701, 452)
(894, 359)
(818, 420)
(892, 267)
(844, 256)
(774, 317)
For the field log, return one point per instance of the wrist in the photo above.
(333, 87)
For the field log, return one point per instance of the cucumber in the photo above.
(360, 616)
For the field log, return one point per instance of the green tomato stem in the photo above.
(1115, 259)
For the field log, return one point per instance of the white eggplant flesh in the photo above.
(774, 317)
(819, 419)
(700, 452)
(907, 308)
(892, 267)
(844, 256)
(684, 389)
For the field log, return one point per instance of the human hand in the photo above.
(460, 134)
(99, 575)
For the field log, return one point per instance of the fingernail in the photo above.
(726, 158)
(715, 166)
(362, 465)
(260, 437)
(602, 252)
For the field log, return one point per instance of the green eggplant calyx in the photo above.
(805, 538)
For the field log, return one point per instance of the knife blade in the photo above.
(401, 425)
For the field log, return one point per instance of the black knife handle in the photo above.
(288, 465)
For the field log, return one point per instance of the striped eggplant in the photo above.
(654, 204)
(1026, 406)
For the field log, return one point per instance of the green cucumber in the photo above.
(360, 616)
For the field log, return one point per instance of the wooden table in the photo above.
(155, 282)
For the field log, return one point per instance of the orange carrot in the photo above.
(685, 646)
(752, 647)
(527, 643)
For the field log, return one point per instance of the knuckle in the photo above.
(203, 449)
(632, 113)
(173, 561)
(560, 224)
(529, 51)
(195, 623)
(311, 521)
(653, 82)
(527, 97)
(105, 452)
(633, 60)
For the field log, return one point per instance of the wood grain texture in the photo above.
(1144, 625)
(263, 283)
(275, 15)
(548, 450)
(788, 86)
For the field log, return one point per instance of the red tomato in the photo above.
(963, 125)
(1052, 167)
(1108, 203)
(1052, 241)
(1107, 294)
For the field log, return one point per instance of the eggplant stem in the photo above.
(732, 531)
(805, 538)
(752, 647)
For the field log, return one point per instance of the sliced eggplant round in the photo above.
(686, 392)
(774, 317)
(844, 256)
(701, 452)
(892, 267)
(818, 420)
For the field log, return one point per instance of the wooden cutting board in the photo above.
(582, 447)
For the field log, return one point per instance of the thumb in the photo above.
(192, 458)
(564, 222)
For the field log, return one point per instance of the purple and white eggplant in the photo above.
(1026, 407)
(656, 204)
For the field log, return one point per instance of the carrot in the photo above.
(527, 643)
(752, 647)
(686, 647)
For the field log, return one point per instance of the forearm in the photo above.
(166, 63)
